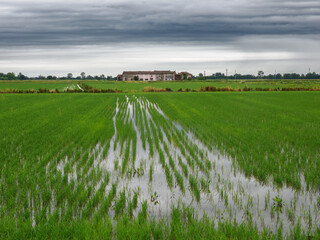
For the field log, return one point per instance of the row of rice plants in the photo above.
(234, 123)
(163, 123)
(44, 185)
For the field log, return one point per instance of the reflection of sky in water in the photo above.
(224, 179)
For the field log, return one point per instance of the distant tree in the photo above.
(295, 76)
(287, 76)
(22, 77)
(51, 77)
(200, 76)
(83, 75)
(102, 76)
(219, 75)
(185, 76)
(260, 74)
(312, 75)
(11, 76)
(291, 76)
(136, 78)
(237, 76)
(69, 75)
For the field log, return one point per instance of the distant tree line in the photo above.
(218, 76)
(261, 75)
(82, 76)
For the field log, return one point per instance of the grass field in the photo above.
(160, 165)
(29, 84)
(139, 86)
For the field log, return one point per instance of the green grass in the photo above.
(29, 84)
(174, 85)
(196, 84)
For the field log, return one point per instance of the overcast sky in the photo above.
(109, 36)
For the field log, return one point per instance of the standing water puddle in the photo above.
(185, 172)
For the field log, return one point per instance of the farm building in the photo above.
(186, 75)
(183, 76)
(166, 75)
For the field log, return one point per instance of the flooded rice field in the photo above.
(154, 159)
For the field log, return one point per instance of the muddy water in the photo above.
(225, 192)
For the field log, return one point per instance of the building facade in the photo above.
(166, 75)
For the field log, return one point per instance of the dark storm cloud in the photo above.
(101, 22)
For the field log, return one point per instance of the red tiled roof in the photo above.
(137, 72)
(186, 73)
(164, 71)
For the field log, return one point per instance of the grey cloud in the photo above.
(108, 36)
(100, 22)
(244, 54)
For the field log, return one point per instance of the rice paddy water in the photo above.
(153, 165)
(210, 183)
